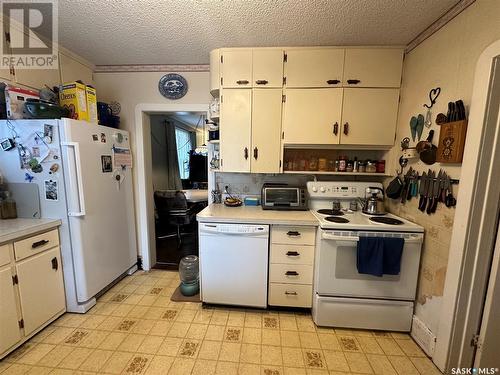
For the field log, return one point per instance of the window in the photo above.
(183, 139)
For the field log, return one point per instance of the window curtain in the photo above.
(184, 147)
(173, 175)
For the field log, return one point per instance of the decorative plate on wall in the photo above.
(173, 86)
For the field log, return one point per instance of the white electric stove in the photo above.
(342, 296)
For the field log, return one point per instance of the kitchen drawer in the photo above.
(36, 244)
(290, 295)
(5, 254)
(292, 254)
(291, 273)
(293, 235)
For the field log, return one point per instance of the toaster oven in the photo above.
(283, 197)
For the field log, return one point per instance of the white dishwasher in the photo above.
(234, 264)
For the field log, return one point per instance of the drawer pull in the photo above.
(291, 273)
(333, 81)
(353, 81)
(293, 233)
(290, 293)
(39, 243)
(242, 82)
(261, 82)
(55, 264)
(292, 253)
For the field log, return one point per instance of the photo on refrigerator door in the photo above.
(106, 163)
(51, 190)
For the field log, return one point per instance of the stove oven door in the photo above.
(337, 275)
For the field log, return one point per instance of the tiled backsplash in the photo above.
(250, 184)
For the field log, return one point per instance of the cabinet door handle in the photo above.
(292, 253)
(245, 153)
(262, 82)
(293, 233)
(290, 293)
(291, 273)
(55, 264)
(333, 81)
(255, 153)
(34, 245)
(242, 82)
(353, 81)
(336, 128)
(346, 128)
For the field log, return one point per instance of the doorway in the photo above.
(179, 179)
(475, 230)
(143, 187)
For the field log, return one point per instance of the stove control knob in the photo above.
(322, 189)
(314, 189)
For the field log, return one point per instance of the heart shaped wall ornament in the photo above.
(433, 95)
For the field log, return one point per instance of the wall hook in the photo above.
(433, 95)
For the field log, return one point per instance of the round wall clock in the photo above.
(173, 86)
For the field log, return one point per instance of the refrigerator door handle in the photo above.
(78, 174)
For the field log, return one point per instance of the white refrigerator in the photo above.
(83, 176)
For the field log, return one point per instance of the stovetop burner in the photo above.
(386, 220)
(326, 211)
(336, 219)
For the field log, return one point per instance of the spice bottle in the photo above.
(342, 163)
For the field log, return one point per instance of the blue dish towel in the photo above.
(378, 255)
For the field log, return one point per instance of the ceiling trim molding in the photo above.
(151, 68)
(438, 24)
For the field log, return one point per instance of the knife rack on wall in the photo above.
(453, 181)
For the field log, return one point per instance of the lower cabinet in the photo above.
(291, 266)
(31, 288)
(10, 333)
(40, 301)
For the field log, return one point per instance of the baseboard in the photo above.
(423, 336)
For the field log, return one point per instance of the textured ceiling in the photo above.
(109, 32)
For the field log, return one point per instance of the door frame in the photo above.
(472, 241)
(144, 201)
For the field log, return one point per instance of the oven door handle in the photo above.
(349, 240)
(327, 236)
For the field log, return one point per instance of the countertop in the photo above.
(196, 195)
(11, 229)
(218, 213)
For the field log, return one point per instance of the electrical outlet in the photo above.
(410, 153)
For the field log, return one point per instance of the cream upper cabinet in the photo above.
(214, 70)
(312, 116)
(309, 67)
(235, 129)
(369, 116)
(9, 327)
(373, 67)
(73, 70)
(266, 130)
(267, 66)
(236, 67)
(41, 301)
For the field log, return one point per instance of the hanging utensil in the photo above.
(427, 151)
(428, 118)
(424, 189)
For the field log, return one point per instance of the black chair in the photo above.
(173, 210)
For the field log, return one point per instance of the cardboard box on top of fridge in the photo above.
(15, 97)
(91, 104)
(73, 96)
